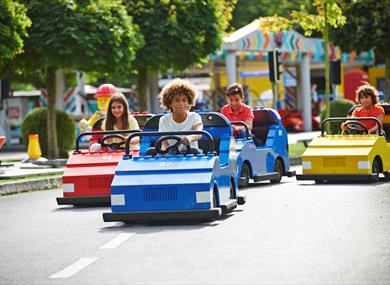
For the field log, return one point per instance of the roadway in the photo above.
(288, 233)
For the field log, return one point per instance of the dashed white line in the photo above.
(74, 268)
(116, 241)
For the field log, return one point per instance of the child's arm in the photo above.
(188, 139)
(133, 124)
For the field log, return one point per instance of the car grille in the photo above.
(160, 193)
(100, 182)
(334, 162)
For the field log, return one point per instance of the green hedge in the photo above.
(338, 108)
(35, 122)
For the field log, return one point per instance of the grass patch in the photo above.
(28, 178)
(296, 149)
(8, 161)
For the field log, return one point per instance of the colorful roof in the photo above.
(251, 43)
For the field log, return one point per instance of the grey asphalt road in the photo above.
(289, 233)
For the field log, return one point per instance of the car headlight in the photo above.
(68, 187)
(117, 199)
(306, 164)
(364, 165)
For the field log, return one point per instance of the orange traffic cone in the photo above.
(34, 149)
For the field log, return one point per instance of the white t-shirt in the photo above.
(168, 124)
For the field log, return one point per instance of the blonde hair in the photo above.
(177, 87)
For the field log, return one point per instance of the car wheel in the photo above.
(232, 190)
(376, 168)
(319, 181)
(278, 167)
(245, 175)
(215, 201)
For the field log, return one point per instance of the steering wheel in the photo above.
(353, 129)
(172, 148)
(113, 145)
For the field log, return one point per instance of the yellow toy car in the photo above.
(353, 156)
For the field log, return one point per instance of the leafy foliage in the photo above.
(13, 28)
(338, 108)
(35, 122)
(86, 35)
(248, 10)
(368, 27)
(309, 22)
(178, 33)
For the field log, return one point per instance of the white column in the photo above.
(305, 92)
(231, 67)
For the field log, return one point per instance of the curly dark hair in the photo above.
(367, 90)
(177, 87)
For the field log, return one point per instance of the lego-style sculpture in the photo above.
(103, 95)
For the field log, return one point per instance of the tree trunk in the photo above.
(52, 146)
(60, 88)
(152, 90)
(142, 89)
(387, 78)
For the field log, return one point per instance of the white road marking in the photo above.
(74, 268)
(116, 241)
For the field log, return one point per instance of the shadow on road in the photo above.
(172, 225)
(261, 185)
(80, 208)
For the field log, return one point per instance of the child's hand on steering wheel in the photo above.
(186, 140)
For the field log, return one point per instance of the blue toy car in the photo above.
(264, 154)
(177, 186)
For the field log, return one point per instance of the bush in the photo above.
(35, 122)
(338, 108)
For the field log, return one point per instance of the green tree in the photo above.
(87, 35)
(13, 28)
(328, 14)
(177, 34)
(248, 10)
(368, 27)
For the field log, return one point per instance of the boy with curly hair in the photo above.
(177, 97)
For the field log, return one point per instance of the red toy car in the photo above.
(293, 121)
(88, 175)
(2, 141)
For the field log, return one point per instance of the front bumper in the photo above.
(339, 177)
(85, 200)
(211, 214)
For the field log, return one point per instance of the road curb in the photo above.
(30, 185)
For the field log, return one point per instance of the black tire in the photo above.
(232, 190)
(245, 173)
(376, 168)
(319, 181)
(215, 200)
(278, 167)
